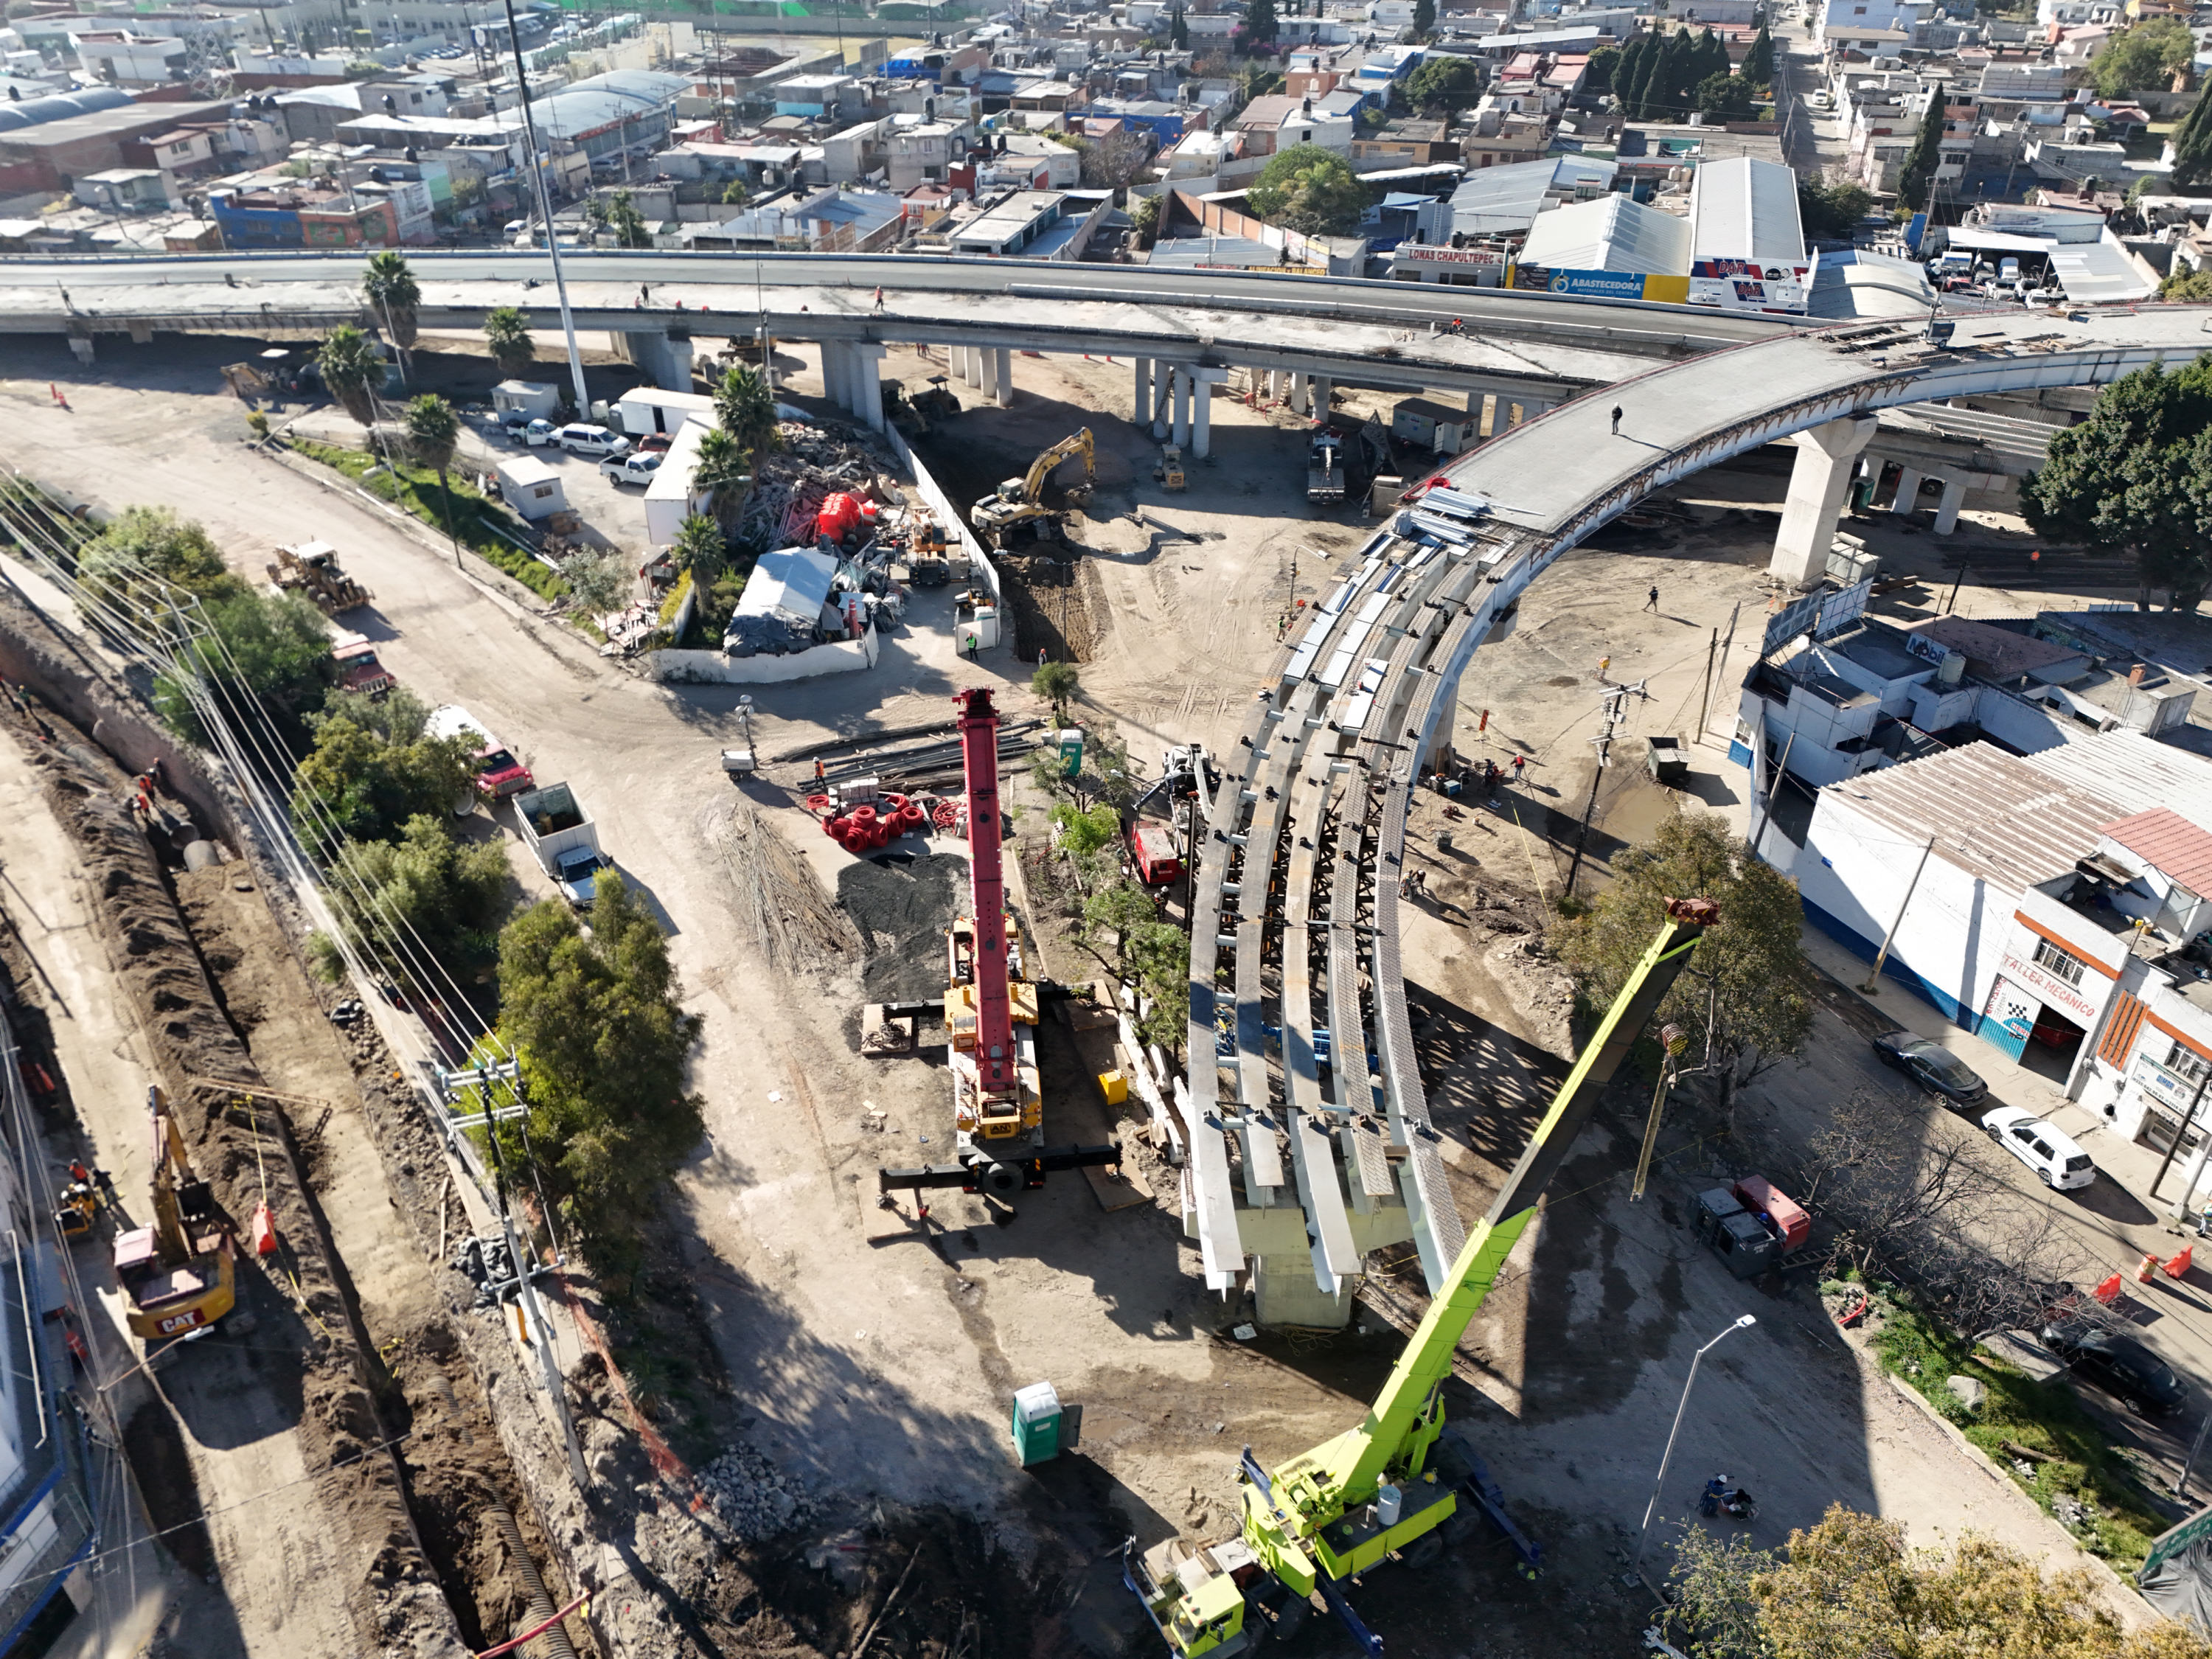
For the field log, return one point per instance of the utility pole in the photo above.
(1887, 939)
(1781, 771)
(1614, 700)
(1961, 577)
(2196, 1163)
(545, 210)
(538, 1332)
(1705, 696)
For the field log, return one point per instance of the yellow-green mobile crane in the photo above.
(1375, 1491)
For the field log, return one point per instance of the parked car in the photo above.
(1931, 1065)
(539, 433)
(2122, 1366)
(631, 469)
(584, 439)
(2044, 296)
(2009, 271)
(2057, 1161)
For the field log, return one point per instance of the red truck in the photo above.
(1155, 853)
(498, 774)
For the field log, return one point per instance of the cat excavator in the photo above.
(181, 1272)
(1021, 501)
(1398, 1484)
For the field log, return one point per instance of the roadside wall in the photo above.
(955, 526)
(712, 668)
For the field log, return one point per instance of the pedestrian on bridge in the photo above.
(1616, 419)
(879, 299)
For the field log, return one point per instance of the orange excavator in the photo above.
(181, 1272)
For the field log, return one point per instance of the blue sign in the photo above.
(1598, 285)
(1915, 231)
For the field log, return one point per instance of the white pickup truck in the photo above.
(564, 841)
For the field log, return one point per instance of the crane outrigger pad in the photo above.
(1000, 1176)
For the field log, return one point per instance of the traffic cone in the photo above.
(2146, 1269)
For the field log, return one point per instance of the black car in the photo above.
(2121, 1365)
(1933, 1066)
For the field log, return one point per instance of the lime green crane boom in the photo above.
(1342, 1507)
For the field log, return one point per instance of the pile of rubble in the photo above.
(754, 1498)
(484, 1262)
(790, 485)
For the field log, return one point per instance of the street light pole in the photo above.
(545, 207)
(1744, 1323)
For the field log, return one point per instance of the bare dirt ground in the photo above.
(868, 1360)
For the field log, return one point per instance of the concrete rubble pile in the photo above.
(790, 484)
(753, 1498)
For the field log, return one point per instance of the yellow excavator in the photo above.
(1393, 1486)
(1021, 501)
(181, 1272)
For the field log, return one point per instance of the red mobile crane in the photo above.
(991, 1008)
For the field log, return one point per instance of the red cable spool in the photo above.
(833, 828)
(912, 816)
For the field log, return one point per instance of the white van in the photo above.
(2056, 1160)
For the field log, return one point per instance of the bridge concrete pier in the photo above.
(1164, 377)
(1002, 375)
(1141, 405)
(835, 375)
(1202, 382)
(81, 348)
(1179, 424)
(1828, 455)
(1908, 491)
(986, 363)
(867, 382)
(665, 362)
(1317, 403)
(1947, 509)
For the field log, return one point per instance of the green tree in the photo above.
(1178, 31)
(1851, 1586)
(1144, 221)
(1598, 76)
(2144, 59)
(1830, 210)
(1711, 57)
(699, 549)
(599, 579)
(2136, 477)
(734, 194)
(1425, 20)
(1122, 928)
(352, 368)
(142, 553)
(1260, 25)
(1082, 833)
(1633, 74)
(433, 432)
(2187, 284)
(1666, 98)
(1726, 97)
(1745, 997)
(604, 1042)
(424, 899)
(2192, 146)
(744, 407)
(393, 294)
(1307, 188)
(374, 766)
(278, 649)
(1759, 62)
(1443, 83)
(507, 331)
(1917, 172)
(1058, 683)
(626, 221)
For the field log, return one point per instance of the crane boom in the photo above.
(1312, 1490)
(996, 1074)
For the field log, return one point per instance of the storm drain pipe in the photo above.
(554, 1643)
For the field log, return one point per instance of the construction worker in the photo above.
(1520, 763)
(817, 769)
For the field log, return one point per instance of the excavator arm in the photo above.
(1078, 443)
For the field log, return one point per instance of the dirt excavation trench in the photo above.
(326, 1454)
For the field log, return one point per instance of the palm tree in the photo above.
(393, 294)
(507, 331)
(433, 432)
(725, 467)
(352, 367)
(699, 548)
(745, 409)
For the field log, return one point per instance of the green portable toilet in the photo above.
(1069, 740)
(1036, 1424)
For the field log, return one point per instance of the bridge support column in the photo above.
(1002, 375)
(1947, 510)
(1203, 380)
(1827, 456)
(988, 363)
(868, 383)
(1163, 380)
(1141, 407)
(1908, 491)
(1299, 404)
(1180, 425)
(1317, 403)
(837, 374)
(664, 362)
(81, 348)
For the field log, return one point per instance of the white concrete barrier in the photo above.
(712, 668)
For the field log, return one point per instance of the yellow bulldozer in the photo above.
(311, 570)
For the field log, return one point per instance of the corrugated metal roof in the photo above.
(1993, 815)
(2137, 771)
(2168, 842)
(1610, 234)
(1744, 208)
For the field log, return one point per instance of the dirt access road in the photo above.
(866, 1359)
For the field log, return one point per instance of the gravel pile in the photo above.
(754, 1498)
(902, 912)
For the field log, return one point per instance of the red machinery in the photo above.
(990, 1007)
